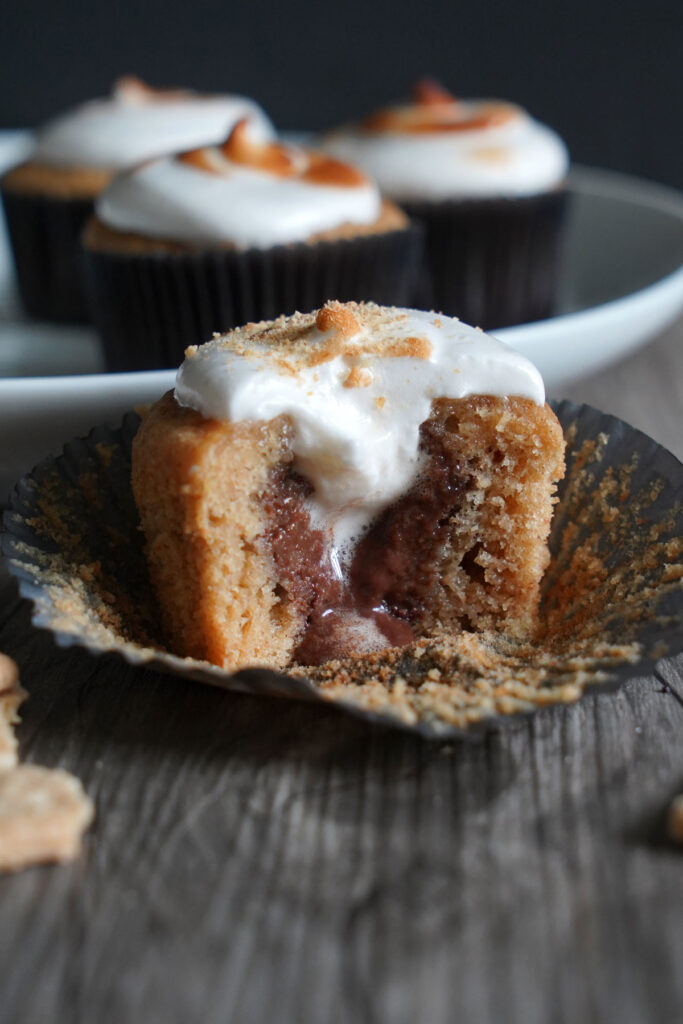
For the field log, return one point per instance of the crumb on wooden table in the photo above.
(43, 811)
(675, 819)
(11, 696)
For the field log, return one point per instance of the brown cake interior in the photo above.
(243, 578)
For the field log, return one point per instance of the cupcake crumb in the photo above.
(11, 696)
(9, 673)
(675, 819)
(43, 811)
(43, 814)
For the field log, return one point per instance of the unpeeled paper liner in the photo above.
(491, 262)
(149, 306)
(613, 594)
(45, 232)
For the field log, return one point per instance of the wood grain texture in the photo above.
(260, 860)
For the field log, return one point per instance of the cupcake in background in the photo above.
(222, 235)
(49, 197)
(488, 183)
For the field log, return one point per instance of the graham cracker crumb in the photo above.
(11, 697)
(339, 317)
(359, 377)
(412, 348)
(9, 673)
(349, 328)
(43, 814)
(42, 811)
(675, 819)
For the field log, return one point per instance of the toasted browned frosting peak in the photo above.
(434, 109)
(427, 92)
(272, 157)
(132, 89)
(276, 158)
(326, 170)
(240, 148)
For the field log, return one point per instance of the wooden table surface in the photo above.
(263, 861)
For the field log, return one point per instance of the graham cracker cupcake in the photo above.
(488, 183)
(206, 240)
(49, 197)
(345, 481)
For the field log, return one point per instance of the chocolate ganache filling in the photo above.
(378, 599)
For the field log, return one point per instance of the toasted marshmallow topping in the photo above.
(245, 192)
(356, 381)
(438, 147)
(138, 123)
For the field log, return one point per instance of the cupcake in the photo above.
(48, 198)
(488, 183)
(219, 236)
(344, 481)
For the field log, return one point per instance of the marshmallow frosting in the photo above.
(138, 123)
(356, 382)
(245, 193)
(440, 148)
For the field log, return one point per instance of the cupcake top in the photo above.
(245, 193)
(356, 381)
(137, 123)
(438, 147)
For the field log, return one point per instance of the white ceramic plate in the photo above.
(621, 284)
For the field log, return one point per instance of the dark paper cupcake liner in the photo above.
(45, 233)
(150, 306)
(491, 262)
(612, 596)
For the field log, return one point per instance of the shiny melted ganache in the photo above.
(393, 571)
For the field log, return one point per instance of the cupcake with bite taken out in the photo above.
(49, 197)
(219, 236)
(337, 483)
(488, 183)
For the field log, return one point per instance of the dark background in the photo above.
(606, 74)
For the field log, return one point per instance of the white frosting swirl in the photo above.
(227, 202)
(513, 156)
(137, 124)
(356, 398)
